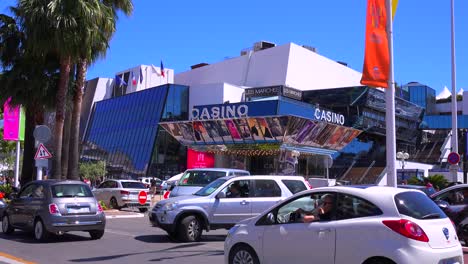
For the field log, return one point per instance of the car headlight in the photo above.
(233, 230)
(169, 206)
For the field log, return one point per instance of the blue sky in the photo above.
(184, 33)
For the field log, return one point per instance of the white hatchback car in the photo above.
(366, 224)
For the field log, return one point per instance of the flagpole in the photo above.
(390, 105)
(454, 139)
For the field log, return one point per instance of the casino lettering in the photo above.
(220, 112)
(328, 116)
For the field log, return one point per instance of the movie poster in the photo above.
(335, 138)
(223, 131)
(244, 129)
(211, 128)
(305, 131)
(276, 128)
(187, 132)
(324, 134)
(295, 126)
(174, 130)
(312, 136)
(351, 134)
(199, 129)
(255, 130)
(233, 130)
(264, 129)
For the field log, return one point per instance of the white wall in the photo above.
(308, 70)
(287, 64)
(232, 93)
(151, 77)
(465, 103)
(447, 108)
(409, 165)
(204, 94)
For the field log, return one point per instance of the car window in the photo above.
(106, 184)
(71, 190)
(241, 173)
(266, 188)
(454, 197)
(200, 178)
(417, 205)
(237, 189)
(38, 191)
(349, 206)
(133, 185)
(294, 186)
(27, 191)
(210, 188)
(293, 211)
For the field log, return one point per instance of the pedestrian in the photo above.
(153, 186)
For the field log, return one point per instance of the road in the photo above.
(130, 240)
(127, 240)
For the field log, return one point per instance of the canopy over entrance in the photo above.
(260, 128)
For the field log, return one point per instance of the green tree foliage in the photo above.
(92, 171)
(438, 181)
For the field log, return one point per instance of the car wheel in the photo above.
(243, 255)
(113, 203)
(190, 229)
(143, 210)
(6, 226)
(96, 234)
(40, 232)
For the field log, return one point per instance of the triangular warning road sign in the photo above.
(42, 153)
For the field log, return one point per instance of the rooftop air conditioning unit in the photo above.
(314, 49)
(261, 45)
(244, 52)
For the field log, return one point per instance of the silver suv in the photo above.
(222, 203)
(122, 193)
(194, 179)
(57, 207)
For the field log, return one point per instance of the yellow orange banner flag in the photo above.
(394, 6)
(376, 58)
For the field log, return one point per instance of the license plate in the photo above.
(78, 210)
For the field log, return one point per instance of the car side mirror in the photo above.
(270, 218)
(442, 204)
(220, 195)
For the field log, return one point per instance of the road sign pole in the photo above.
(39, 173)
(18, 148)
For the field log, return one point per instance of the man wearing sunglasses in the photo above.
(323, 212)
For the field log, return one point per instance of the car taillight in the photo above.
(53, 209)
(124, 192)
(99, 208)
(407, 228)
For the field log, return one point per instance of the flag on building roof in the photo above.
(119, 81)
(141, 74)
(162, 70)
(134, 81)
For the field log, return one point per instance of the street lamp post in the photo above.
(402, 157)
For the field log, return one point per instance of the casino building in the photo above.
(272, 110)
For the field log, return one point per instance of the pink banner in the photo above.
(11, 117)
(197, 159)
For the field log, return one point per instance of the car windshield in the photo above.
(200, 178)
(133, 185)
(210, 188)
(71, 190)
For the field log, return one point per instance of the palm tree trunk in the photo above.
(34, 116)
(65, 65)
(73, 172)
(66, 141)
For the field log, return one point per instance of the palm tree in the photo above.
(96, 47)
(59, 27)
(28, 80)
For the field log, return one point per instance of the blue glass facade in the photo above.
(123, 130)
(443, 122)
(423, 96)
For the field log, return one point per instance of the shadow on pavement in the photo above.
(167, 239)
(28, 238)
(178, 254)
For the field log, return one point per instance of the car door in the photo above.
(34, 204)
(232, 207)
(458, 204)
(102, 192)
(290, 240)
(17, 213)
(265, 194)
